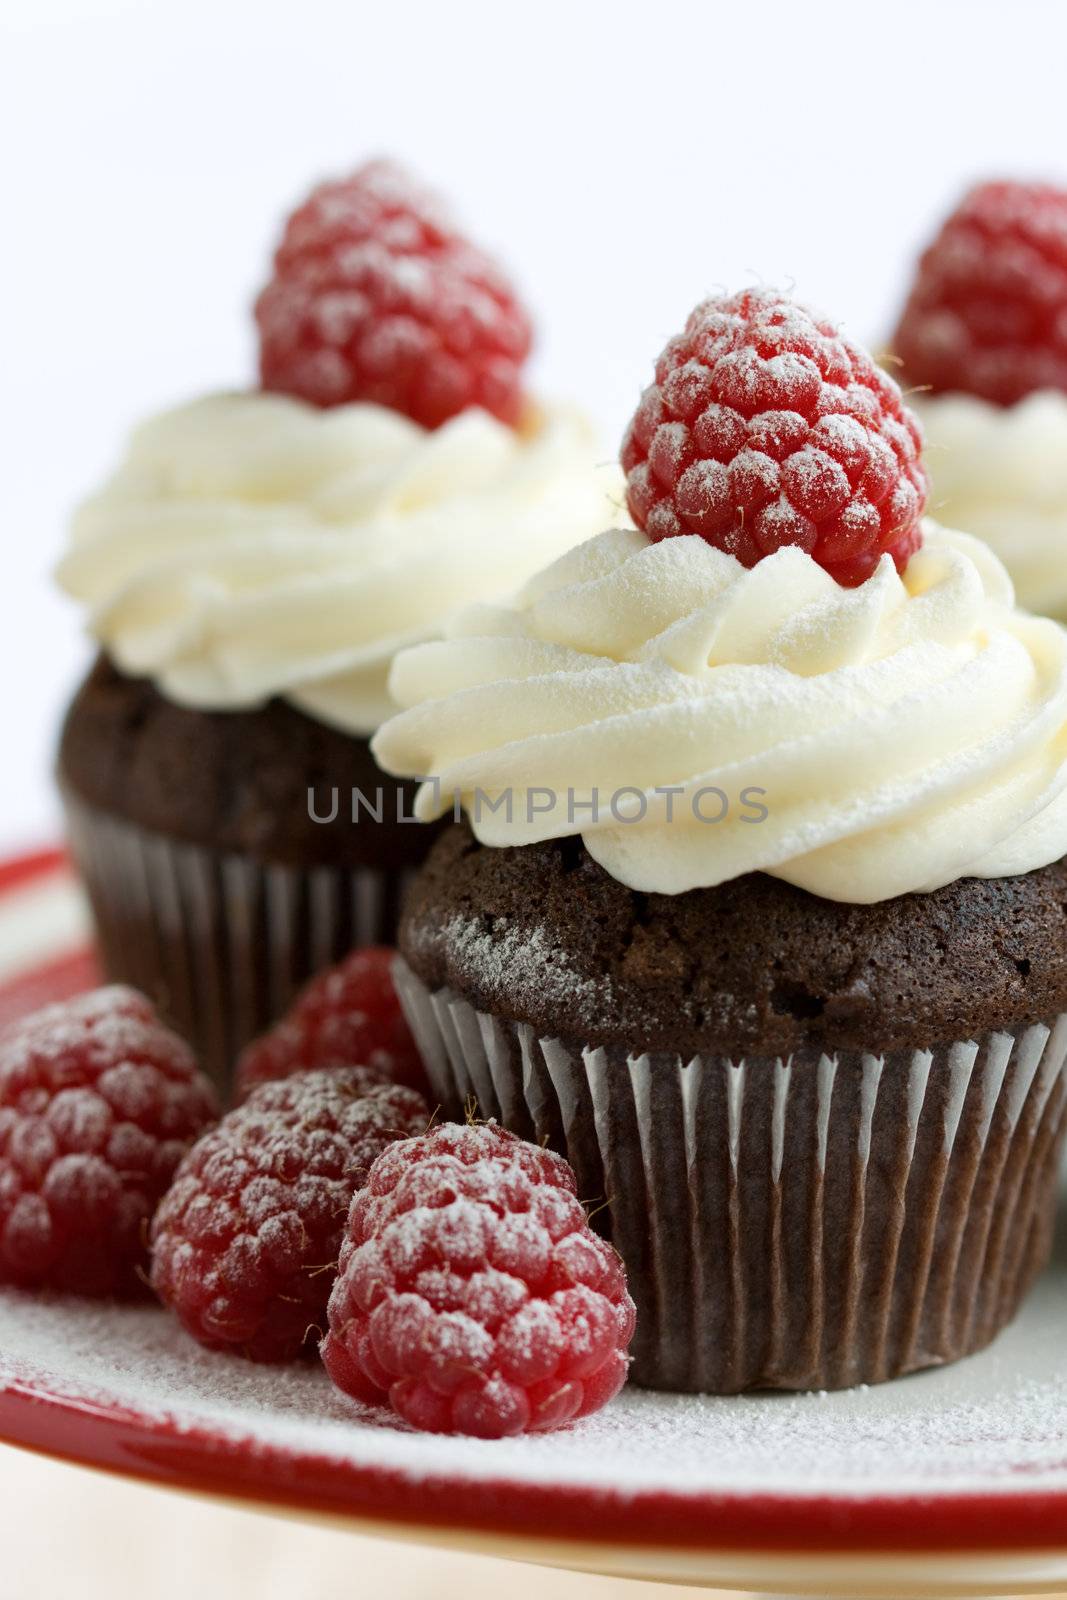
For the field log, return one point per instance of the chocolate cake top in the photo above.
(233, 780)
(542, 934)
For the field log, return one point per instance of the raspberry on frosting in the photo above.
(347, 1016)
(987, 314)
(472, 1292)
(765, 427)
(376, 296)
(98, 1104)
(245, 1241)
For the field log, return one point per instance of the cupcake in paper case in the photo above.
(983, 342)
(249, 572)
(759, 914)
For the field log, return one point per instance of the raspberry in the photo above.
(347, 1016)
(98, 1104)
(988, 312)
(375, 296)
(472, 1292)
(246, 1239)
(766, 428)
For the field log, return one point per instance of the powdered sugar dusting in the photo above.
(997, 1422)
(516, 961)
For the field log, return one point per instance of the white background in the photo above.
(623, 158)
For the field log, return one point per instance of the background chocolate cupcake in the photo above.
(982, 345)
(761, 915)
(249, 572)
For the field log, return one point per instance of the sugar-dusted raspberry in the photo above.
(472, 1292)
(988, 311)
(245, 1242)
(376, 296)
(766, 428)
(347, 1016)
(98, 1104)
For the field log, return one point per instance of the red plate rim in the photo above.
(147, 1447)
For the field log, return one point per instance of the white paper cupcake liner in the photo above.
(811, 1223)
(220, 942)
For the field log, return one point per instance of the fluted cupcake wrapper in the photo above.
(220, 942)
(810, 1223)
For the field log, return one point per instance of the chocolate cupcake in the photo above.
(228, 855)
(795, 1210)
(250, 571)
(760, 915)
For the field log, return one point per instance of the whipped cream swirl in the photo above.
(1001, 474)
(251, 545)
(904, 733)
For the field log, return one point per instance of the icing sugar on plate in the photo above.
(995, 1423)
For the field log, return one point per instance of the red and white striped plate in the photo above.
(954, 1479)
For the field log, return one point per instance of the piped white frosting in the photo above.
(901, 734)
(1001, 473)
(251, 545)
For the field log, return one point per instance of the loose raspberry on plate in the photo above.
(347, 1016)
(98, 1104)
(376, 296)
(988, 311)
(245, 1242)
(472, 1292)
(765, 427)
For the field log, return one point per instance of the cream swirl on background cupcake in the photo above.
(981, 347)
(1001, 473)
(903, 734)
(252, 545)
